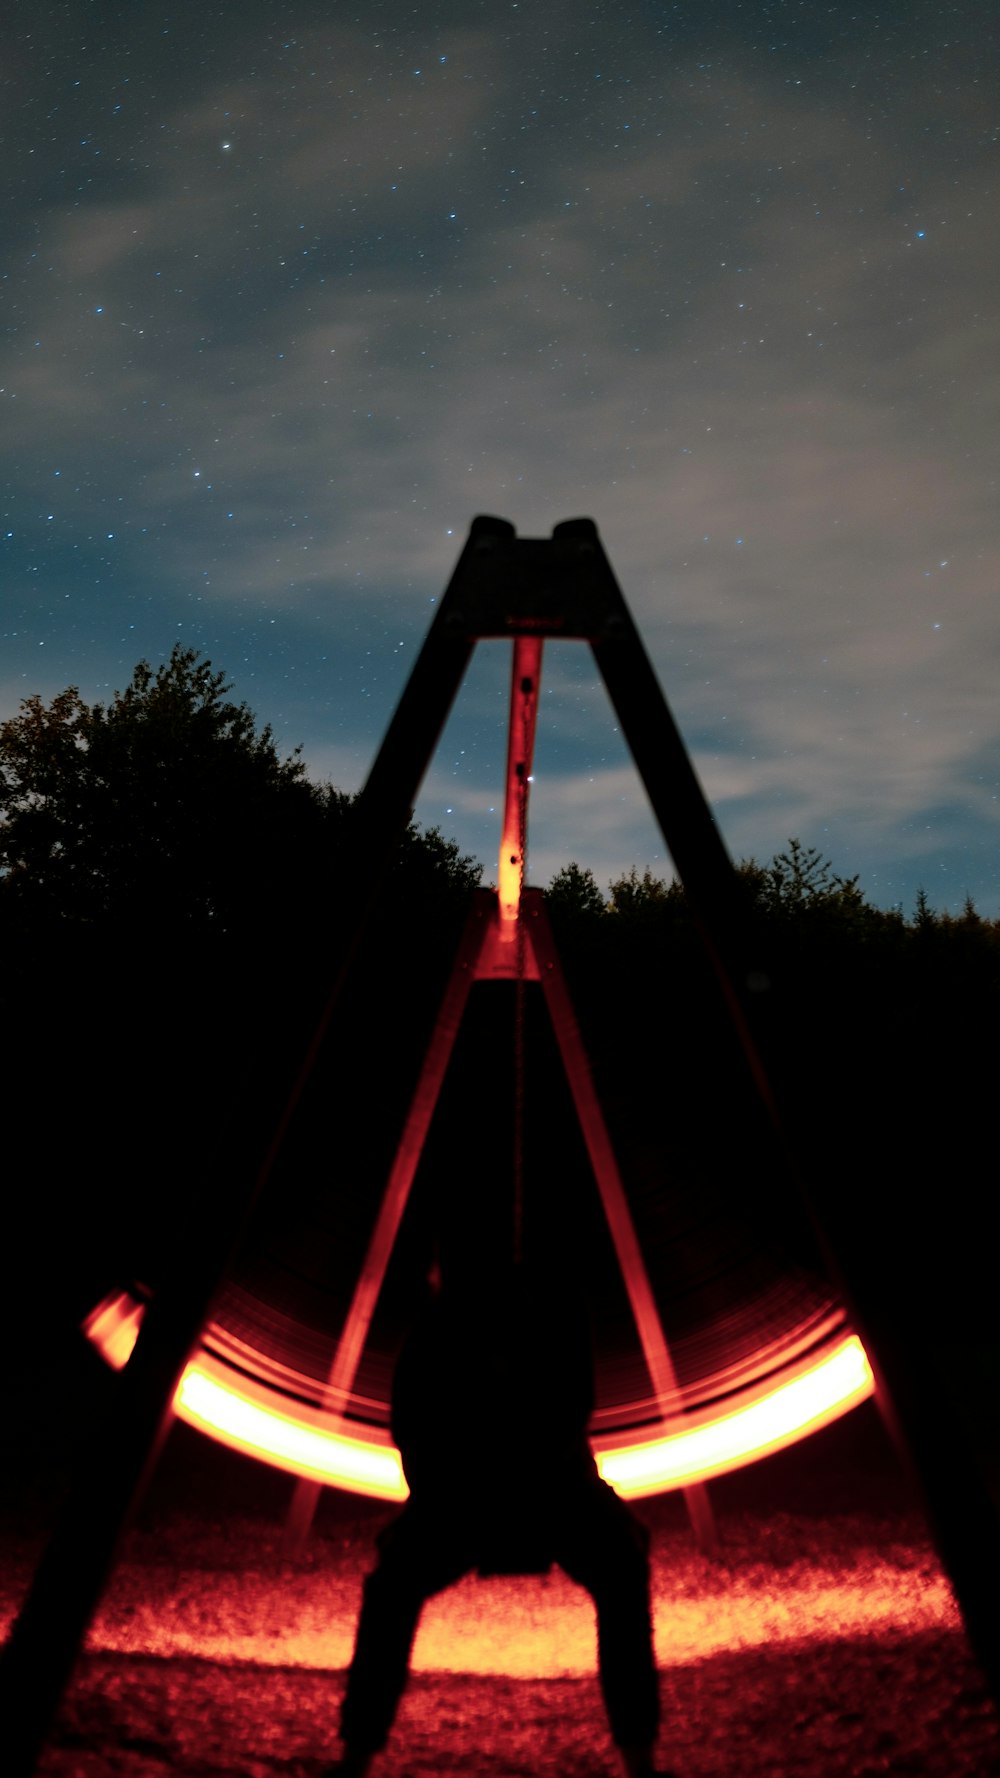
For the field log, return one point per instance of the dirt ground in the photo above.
(911, 1705)
(823, 1641)
(812, 1647)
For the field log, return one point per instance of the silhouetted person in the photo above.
(490, 1403)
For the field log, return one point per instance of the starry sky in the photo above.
(292, 292)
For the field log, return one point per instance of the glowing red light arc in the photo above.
(314, 1442)
(807, 1388)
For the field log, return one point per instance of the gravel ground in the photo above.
(825, 1645)
(860, 1707)
(823, 1641)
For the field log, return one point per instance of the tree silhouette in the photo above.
(158, 809)
(573, 894)
(168, 811)
(175, 896)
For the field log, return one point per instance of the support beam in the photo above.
(526, 670)
(632, 1265)
(357, 1322)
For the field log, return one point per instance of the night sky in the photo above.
(293, 292)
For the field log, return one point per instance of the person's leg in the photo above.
(636, 1762)
(603, 1547)
(353, 1765)
(419, 1554)
(390, 1610)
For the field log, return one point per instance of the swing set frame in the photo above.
(527, 590)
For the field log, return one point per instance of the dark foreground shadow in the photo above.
(912, 1705)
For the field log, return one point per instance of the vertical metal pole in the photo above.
(524, 682)
(525, 674)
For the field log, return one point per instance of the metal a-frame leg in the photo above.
(632, 1265)
(961, 1511)
(481, 956)
(350, 1346)
(477, 950)
(41, 1650)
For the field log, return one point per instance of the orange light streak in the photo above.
(829, 1387)
(229, 1414)
(258, 1420)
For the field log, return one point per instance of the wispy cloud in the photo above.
(330, 298)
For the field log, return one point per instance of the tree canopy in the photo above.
(157, 806)
(799, 890)
(170, 809)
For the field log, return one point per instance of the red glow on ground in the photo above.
(835, 1585)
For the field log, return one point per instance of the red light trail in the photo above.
(254, 1417)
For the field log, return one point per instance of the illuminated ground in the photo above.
(824, 1642)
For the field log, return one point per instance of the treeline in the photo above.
(798, 888)
(169, 814)
(850, 991)
(174, 902)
